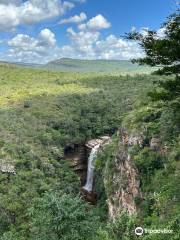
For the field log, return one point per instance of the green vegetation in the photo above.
(158, 170)
(161, 51)
(75, 65)
(41, 112)
(156, 119)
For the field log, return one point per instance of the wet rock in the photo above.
(90, 197)
(77, 157)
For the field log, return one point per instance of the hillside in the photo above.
(75, 65)
(42, 113)
(45, 114)
(89, 120)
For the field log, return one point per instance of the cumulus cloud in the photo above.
(8, 17)
(96, 23)
(83, 45)
(23, 48)
(91, 45)
(161, 33)
(86, 42)
(47, 37)
(75, 19)
(117, 48)
(14, 13)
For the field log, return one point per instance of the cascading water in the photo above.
(90, 172)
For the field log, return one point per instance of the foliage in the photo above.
(162, 51)
(62, 217)
(77, 65)
(158, 168)
(42, 112)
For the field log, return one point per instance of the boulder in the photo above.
(7, 168)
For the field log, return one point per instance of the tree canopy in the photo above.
(161, 50)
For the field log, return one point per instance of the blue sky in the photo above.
(43, 30)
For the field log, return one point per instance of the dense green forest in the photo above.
(41, 112)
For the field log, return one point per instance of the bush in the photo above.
(62, 216)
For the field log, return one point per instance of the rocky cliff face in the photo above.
(77, 156)
(124, 180)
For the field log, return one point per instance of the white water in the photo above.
(90, 172)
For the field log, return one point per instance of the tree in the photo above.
(161, 51)
(62, 216)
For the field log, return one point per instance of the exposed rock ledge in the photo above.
(125, 178)
(6, 167)
(101, 140)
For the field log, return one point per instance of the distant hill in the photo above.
(4, 63)
(76, 65)
(21, 64)
(30, 65)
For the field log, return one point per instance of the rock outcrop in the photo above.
(77, 157)
(99, 141)
(125, 183)
(7, 167)
(90, 197)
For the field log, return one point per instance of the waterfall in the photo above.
(90, 172)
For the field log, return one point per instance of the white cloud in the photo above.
(47, 37)
(161, 33)
(91, 45)
(144, 31)
(117, 48)
(23, 48)
(75, 19)
(95, 23)
(8, 17)
(14, 12)
(83, 45)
